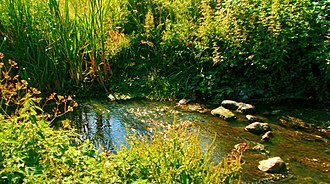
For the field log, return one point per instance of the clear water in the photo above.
(306, 152)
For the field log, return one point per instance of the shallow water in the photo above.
(305, 150)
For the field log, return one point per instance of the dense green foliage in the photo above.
(168, 48)
(33, 152)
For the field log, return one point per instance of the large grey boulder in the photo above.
(230, 104)
(245, 108)
(237, 106)
(223, 113)
(258, 128)
(272, 165)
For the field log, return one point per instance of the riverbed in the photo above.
(301, 134)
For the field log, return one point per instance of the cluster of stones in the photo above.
(257, 126)
(225, 111)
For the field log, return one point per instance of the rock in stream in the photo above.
(272, 165)
(237, 106)
(224, 113)
(266, 136)
(258, 128)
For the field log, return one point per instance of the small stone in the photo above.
(258, 128)
(223, 113)
(266, 136)
(272, 165)
(183, 102)
(253, 118)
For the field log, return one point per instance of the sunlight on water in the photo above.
(305, 151)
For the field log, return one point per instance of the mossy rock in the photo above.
(223, 113)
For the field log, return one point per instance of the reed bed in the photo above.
(61, 44)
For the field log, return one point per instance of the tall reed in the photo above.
(61, 44)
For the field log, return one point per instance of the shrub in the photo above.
(219, 48)
(267, 46)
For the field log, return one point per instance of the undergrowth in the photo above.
(165, 49)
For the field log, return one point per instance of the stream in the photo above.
(301, 133)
